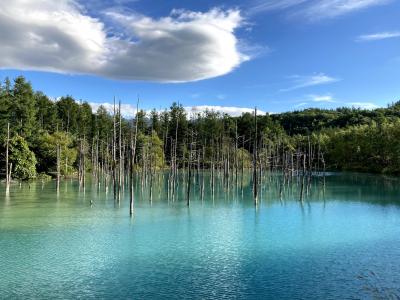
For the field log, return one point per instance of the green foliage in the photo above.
(68, 114)
(46, 149)
(244, 158)
(22, 107)
(17, 107)
(103, 123)
(350, 139)
(46, 112)
(43, 177)
(178, 127)
(150, 148)
(375, 147)
(85, 117)
(23, 160)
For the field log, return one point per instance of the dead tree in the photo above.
(8, 170)
(114, 155)
(132, 163)
(255, 158)
(120, 153)
(58, 165)
(303, 177)
(189, 180)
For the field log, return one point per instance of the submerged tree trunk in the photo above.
(120, 167)
(132, 164)
(8, 171)
(189, 182)
(114, 154)
(255, 158)
(151, 165)
(58, 165)
(303, 178)
(82, 171)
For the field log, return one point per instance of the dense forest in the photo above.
(66, 138)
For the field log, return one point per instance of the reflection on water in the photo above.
(342, 241)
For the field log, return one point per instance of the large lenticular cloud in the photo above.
(57, 36)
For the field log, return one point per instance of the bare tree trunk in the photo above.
(151, 164)
(242, 171)
(132, 163)
(120, 153)
(189, 171)
(303, 178)
(58, 165)
(97, 161)
(236, 154)
(212, 170)
(175, 160)
(202, 176)
(8, 171)
(114, 159)
(82, 170)
(255, 157)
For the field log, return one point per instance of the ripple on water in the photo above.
(343, 244)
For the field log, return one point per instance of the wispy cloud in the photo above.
(363, 105)
(322, 98)
(323, 9)
(301, 104)
(378, 36)
(260, 6)
(307, 81)
(314, 9)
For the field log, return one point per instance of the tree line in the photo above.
(66, 138)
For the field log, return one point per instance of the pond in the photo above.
(341, 242)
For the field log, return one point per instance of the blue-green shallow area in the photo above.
(342, 242)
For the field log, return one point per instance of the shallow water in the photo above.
(341, 242)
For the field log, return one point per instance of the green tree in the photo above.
(85, 120)
(68, 113)
(103, 123)
(22, 158)
(23, 108)
(46, 112)
(5, 102)
(46, 149)
(151, 148)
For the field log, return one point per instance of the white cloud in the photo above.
(378, 36)
(334, 8)
(315, 9)
(301, 104)
(260, 6)
(363, 105)
(307, 81)
(129, 111)
(321, 98)
(230, 110)
(50, 35)
(59, 36)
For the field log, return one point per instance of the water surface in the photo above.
(341, 242)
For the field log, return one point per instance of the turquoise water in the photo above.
(340, 243)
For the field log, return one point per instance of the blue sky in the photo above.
(276, 55)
